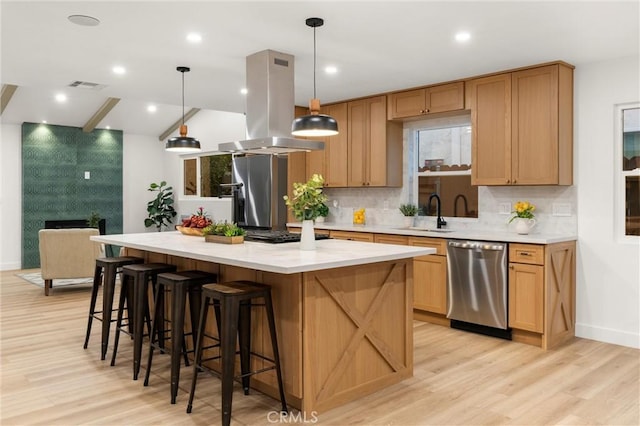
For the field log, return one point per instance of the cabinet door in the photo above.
(358, 127)
(376, 148)
(491, 130)
(402, 240)
(444, 98)
(534, 117)
(526, 297)
(407, 104)
(430, 284)
(335, 155)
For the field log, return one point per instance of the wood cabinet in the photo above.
(401, 240)
(375, 144)
(542, 293)
(366, 237)
(430, 276)
(522, 127)
(332, 162)
(429, 100)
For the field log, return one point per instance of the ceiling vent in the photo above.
(87, 85)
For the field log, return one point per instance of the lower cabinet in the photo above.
(366, 237)
(430, 276)
(542, 293)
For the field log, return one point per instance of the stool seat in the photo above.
(180, 284)
(232, 304)
(140, 274)
(106, 268)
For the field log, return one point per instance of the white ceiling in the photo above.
(378, 46)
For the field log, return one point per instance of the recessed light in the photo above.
(331, 69)
(119, 70)
(194, 38)
(244, 91)
(61, 97)
(152, 108)
(108, 127)
(84, 20)
(44, 121)
(463, 36)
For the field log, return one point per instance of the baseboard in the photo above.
(10, 266)
(608, 335)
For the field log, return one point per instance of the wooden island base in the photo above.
(343, 333)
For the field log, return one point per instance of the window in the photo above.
(443, 166)
(628, 166)
(212, 171)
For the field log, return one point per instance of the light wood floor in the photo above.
(459, 378)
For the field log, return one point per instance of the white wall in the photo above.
(10, 197)
(608, 275)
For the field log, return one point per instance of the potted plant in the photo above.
(93, 221)
(160, 209)
(224, 232)
(408, 211)
(305, 204)
(323, 211)
(523, 215)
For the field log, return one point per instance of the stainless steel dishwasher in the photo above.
(477, 287)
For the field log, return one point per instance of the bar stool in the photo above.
(234, 300)
(140, 275)
(180, 284)
(108, 268)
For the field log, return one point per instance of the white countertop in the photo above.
(467, 234)
(285, 258)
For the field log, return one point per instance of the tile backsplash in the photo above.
(382, 204)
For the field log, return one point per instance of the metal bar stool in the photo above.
(106, 267)
(140, 275)
(180, 284)
(234, 300)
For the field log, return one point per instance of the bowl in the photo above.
(196, 232)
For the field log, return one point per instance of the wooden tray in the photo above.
(196, 232)
(224, 240)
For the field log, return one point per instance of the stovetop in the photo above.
(276, 237)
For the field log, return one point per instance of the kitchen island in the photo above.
(343, 311)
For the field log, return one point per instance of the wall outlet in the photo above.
(87, 175)
(504, 208)
(561, 209)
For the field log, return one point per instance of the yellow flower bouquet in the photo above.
(523, 209)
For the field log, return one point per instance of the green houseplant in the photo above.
(409, 211)
(306, 202)
(223, 232)
(93, 221)
(160, 209)
(323, 211)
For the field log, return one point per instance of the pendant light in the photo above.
(314, 124)
(183, 143)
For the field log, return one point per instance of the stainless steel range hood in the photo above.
(270, 105)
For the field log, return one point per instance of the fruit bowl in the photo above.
(196, 232)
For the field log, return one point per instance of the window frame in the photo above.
(621, 175)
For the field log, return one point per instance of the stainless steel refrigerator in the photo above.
(258, 203)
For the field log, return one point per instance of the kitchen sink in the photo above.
(416, 228)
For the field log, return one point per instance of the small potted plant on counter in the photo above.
(224, 232)
(409, 211)
(323, 211)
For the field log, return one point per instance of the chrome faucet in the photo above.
(440, 222)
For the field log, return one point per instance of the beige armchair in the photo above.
(67, 253)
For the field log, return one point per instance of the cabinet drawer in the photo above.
(437, 243)
(391, 239)
(526, 253)
(353, 236)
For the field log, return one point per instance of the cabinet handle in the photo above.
(422, 111)
(510, 266)
(514, 181)
(525, 253)
(508, 181)
(426, 110)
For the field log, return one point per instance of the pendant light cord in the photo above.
(183, 98)
(314, 62)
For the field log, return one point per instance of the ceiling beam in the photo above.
(174, 126)
(7, 92)
(100, 114)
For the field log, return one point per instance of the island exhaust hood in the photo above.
(270, 106)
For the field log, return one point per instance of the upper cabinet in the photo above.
(522, 127)
(429, 100)
(332, 162)
(375, 144)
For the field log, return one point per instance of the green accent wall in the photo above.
(54, 162)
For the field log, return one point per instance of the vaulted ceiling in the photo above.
(377, 46)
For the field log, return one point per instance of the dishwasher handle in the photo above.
(475, 245)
